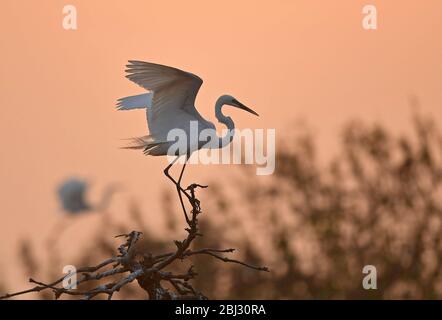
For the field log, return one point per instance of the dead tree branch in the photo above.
(149, 270)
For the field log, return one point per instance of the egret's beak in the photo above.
(243, 107)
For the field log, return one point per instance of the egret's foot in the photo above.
(185, 192)
(193, 200)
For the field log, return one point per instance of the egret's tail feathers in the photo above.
(138, 143)
(147, 143)
(141, 101)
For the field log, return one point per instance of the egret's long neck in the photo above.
(227, 138)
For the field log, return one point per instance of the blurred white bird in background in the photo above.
(72, 196)
(170, 104)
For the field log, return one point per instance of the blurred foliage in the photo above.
(377, 202)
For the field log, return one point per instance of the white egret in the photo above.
(170, 104)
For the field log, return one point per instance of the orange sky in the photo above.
(285, 59)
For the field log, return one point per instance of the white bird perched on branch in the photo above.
(170, 104)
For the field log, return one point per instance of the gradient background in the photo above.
(286, 59)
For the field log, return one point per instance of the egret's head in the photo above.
(231, 101)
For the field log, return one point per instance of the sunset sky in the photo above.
(287, 59)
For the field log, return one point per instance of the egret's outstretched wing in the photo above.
(172, 88)
(140, 101)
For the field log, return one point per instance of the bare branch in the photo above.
(147, 269)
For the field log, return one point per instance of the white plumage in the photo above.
(170, 104)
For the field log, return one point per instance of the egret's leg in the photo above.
(178, 186)
(166, 172)
(193, 201)
(182, 171)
